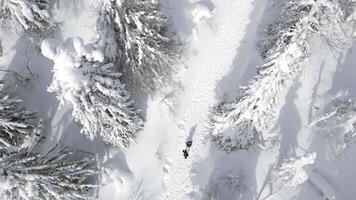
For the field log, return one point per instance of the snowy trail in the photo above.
(216, 51)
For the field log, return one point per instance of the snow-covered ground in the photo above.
(215, 50)
(214, 45)
(220, 53)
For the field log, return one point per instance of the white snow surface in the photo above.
(157, 160)
(292, 173)
(215, 54)
(220, 38)
(67, 60)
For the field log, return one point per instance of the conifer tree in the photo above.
(19, 128)
(61, 174)
(135, 36)
(249, 118)
(31, 16)
(99, 100)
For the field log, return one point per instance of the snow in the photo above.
(49, 48)
(26, 11)
(7, 183)
(216, 53)
(292, 173)
(77, 18)
(67, 60)
(220, 39)
(164, 171)
(87, 51)
(66, 63)
(189, 16)
(200, 12)
(327, 191)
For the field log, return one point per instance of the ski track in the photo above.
(204, 71)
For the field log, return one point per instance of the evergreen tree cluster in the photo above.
(137, 49)
(61, 174)
(26, 174)
(249, 118)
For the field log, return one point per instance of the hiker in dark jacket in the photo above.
(186, 150)
(188, 143)
(185, 153)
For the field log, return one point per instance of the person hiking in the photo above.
(186, 150)
(188, 143)
(185, 153)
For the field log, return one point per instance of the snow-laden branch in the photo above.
(58, 175)
(291, 173)
(99, 100)
(135, 36)
(29, 15)
(19, 128)
(339, 120)
(248, 119)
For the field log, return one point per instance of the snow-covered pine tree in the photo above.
(19, 128)
(339, 122)
(99, 100)
(61, 174)
(135, 36)
(248, 119)
(31, 16)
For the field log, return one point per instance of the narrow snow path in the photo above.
(216, 49)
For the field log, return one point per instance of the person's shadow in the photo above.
(191, 133)
(189, 141)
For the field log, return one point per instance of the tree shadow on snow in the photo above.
(290, 125)
(141, 99)
(344, 78)
(243, 68)
(28, 76)
(177, 11)
(35, 69)
(74, 6)
(224, 176)
(192, 132)
(209, 172)
(32, 79)
(337, 170)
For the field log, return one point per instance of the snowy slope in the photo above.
(219, 38)
(156, 160)
(216, 49)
